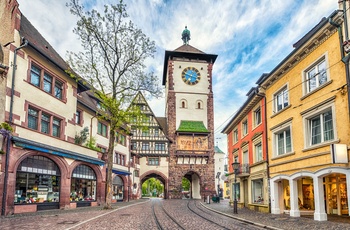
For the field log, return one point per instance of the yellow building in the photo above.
(307, 112)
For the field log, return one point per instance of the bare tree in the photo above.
(112, 61)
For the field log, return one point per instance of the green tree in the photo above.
(186, 184)
(149, 185)
(112, 61)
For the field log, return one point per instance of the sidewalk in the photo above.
(282, 221)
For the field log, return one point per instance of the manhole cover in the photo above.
(68, 222)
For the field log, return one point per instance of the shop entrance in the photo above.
(118, 188)
(336, 194)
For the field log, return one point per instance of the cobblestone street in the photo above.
(138, 215)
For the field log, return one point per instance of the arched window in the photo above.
(83, 184)
(183, 104)
(199, 104)
(37, 180)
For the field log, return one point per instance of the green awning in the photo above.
(192, 127)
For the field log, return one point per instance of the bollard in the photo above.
(208, 199)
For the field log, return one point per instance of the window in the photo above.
(145, 146)
(156, 132)
(257, 191)
(102, 129)
(245, 157)
(245, 127)
(235, 136)
(258, 152)
(160, 146)
(183, 104)
(33, 118)
(281, 99)
(120, 139)
(316, 76)
(257, 117)
(47, 124)
(133, 146)
(146, 119)
(35, 75)
(47, 82)
(136, 173)
(102, 149)
(319, 125)
(199, 104)
(35, 173)
(283, 141)
(153, 160)
(282, 138)
(119, 159)
(78, 117)
(133, 131)
(56, 127)
(145, 133)
(83, 184)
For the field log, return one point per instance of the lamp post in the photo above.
(235, 167)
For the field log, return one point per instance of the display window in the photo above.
(83, 184)
(37, 181)
(118, 188)
(257, 191)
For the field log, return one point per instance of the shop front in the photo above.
(83, 186)
(120, 185)
(38, 182)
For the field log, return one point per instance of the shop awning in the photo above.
(120, 171)
(28, 144)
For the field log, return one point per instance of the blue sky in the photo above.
(250, 37)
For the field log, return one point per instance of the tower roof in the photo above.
(188, 52)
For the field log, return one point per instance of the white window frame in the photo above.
(258, 193)
(279, 129)
(257, 120)
(244, 127)
(316, 111)
(315, 65)
(283, 92)
(235, 135)
(245, 157)
(257, 141)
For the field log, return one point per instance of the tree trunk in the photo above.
(109, 180)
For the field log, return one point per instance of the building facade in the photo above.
(149, 144)
(246, 138)
(45, 164)
(307, 114)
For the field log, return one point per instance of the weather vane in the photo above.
(186, 36)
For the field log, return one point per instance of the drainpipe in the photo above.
(345, 59)
(8, 146)
(266, 148)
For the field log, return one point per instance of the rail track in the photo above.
(224, 222)
(162, 222)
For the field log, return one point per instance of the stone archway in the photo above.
(157, 175)
(194, 179)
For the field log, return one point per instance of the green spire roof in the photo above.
(192, 127)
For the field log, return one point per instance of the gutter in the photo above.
(8, 146)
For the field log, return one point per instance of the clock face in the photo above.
(191, 75)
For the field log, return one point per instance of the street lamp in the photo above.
(235, 166)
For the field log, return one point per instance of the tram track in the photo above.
(209, 215)
(173, 224)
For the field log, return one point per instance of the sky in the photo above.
(250, 37)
